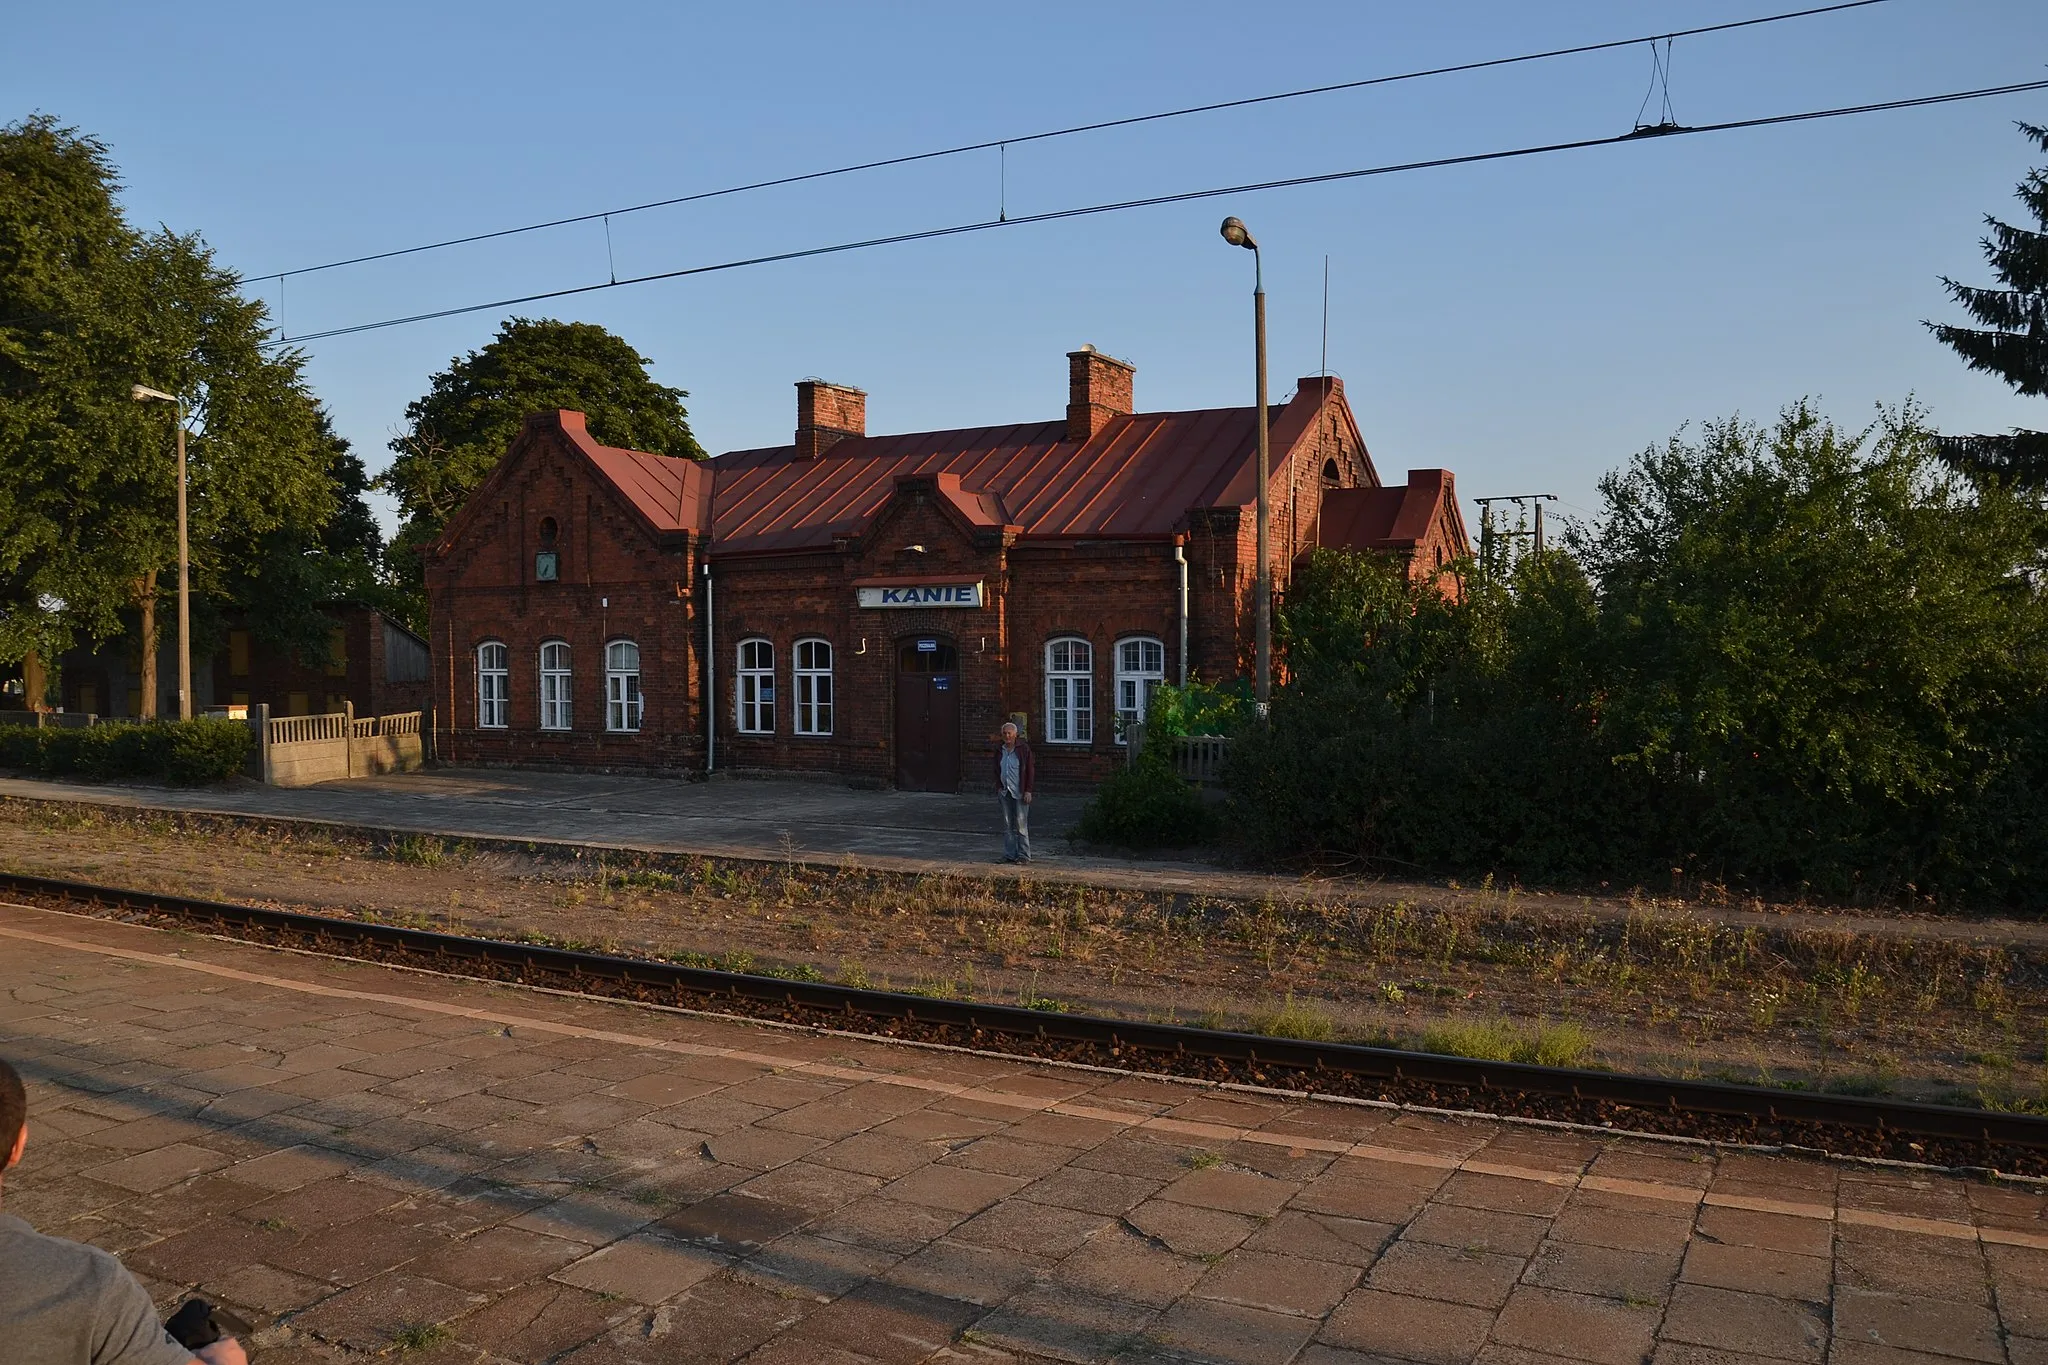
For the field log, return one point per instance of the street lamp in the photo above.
(143, 394)
(1235, 233)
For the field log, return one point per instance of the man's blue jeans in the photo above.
(1016, 828)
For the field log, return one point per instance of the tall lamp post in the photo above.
(143, 394)
(1235, 233)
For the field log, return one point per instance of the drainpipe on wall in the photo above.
(710, 679)
(1180, 558)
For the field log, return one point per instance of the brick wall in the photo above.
(619, 579)
(616, 582)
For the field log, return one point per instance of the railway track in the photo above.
(2010, 1143)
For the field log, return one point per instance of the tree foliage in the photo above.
(90, 306)
(459, 429)
(1786, 657)
(2012, 339)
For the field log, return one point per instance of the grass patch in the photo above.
(1295, 1020)
(419, 1336)
(420, 850)
(1498, 1040)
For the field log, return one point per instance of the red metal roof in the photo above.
(1395, 518)
(672, 494)
(1136, 478)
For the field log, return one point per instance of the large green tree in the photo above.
(2012, 340)
(1785, 656)
(459, 429)
(89, 307)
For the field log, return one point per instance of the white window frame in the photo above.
(493, 685)
(557, 684)
(811, 673)
(1069, 691)
(1135, 684)
(624, 703)
(754, 687)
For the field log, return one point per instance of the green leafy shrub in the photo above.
(21, 746)
(1147, 805)
(188, 752)
(1199, 708)
(206, 749)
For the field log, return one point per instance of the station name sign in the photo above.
(922, 595)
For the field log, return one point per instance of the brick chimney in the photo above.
(1098, 389)
(827, 414)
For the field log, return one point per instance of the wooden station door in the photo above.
(927, 715)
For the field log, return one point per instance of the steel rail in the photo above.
(555, 965)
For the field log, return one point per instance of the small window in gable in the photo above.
(547, 561)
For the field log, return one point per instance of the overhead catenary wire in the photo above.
(1001, 145)
(1154, 201)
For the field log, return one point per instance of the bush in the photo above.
(1199, 708)
(206, 749)
(21, 746)
(187, 753)
(1788, 660)
(1147, 805)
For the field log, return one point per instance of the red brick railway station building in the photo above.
(876, 606)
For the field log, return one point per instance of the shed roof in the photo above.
(1394, 518)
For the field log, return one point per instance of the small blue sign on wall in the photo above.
(942, 683)
(927, 646)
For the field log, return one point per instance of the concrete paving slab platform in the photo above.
(368, 1160)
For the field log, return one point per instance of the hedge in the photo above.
(184, 752)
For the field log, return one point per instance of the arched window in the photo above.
(1140, 669)
(554, 685)
(813, 687)
(493, 686)
(622, 704)
(1069, 692)
(757, 687)
(1333, 477)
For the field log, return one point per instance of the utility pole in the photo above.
(1520, 500)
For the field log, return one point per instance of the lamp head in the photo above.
(1237, 234)
(142, 393)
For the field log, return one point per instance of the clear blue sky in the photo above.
(1527, 324)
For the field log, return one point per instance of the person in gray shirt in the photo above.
(65, 1303)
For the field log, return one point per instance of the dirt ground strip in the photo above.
(1909, 1006)
(369, 1161)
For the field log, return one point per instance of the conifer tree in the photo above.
(2012, 343)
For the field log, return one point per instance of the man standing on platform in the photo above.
(1013, 788)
